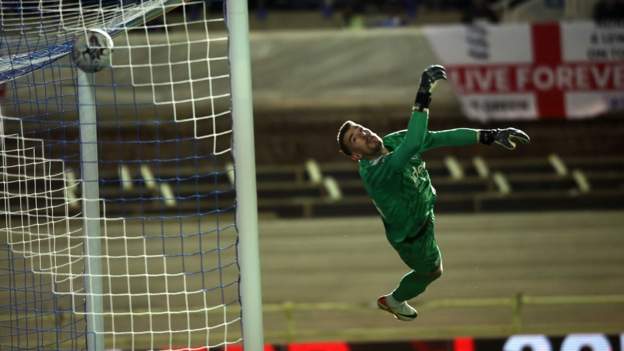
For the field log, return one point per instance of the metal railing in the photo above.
(515, 303)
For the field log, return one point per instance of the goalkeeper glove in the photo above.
(427, 82)
(506, 138)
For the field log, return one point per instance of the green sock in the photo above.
(412, 285)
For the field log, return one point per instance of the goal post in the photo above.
(91, 210)
(247, 215)
(120, 225)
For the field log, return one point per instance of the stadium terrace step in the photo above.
(605, 180)
(541, 182)
(598, 164)
(269, 173)
(515, 165)
(541, 201)
(341, 170)
(468, 185)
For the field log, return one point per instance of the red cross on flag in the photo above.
(529, 71)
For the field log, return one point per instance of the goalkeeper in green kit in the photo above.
(397, 181)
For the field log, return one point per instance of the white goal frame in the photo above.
(244, 154)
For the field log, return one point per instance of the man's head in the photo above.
(359, 142)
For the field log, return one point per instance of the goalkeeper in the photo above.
(397, 181)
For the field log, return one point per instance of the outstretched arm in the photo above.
(451, 137)
(507, 138)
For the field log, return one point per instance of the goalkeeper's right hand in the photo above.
(428, 80)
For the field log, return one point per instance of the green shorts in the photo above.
(420, 252)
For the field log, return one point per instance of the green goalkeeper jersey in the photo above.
(398, 182)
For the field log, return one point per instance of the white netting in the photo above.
(154, 294)
(169, 266)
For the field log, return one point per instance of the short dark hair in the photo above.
(341, 132)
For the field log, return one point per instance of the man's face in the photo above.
(362, 142)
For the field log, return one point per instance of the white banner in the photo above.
(530, 71)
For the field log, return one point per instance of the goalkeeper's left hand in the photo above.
(507, 138)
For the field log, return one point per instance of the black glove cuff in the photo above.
(487, 136)
(422, 101)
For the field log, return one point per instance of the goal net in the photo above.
(165, 274)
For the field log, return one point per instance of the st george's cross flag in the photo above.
(531, 71)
